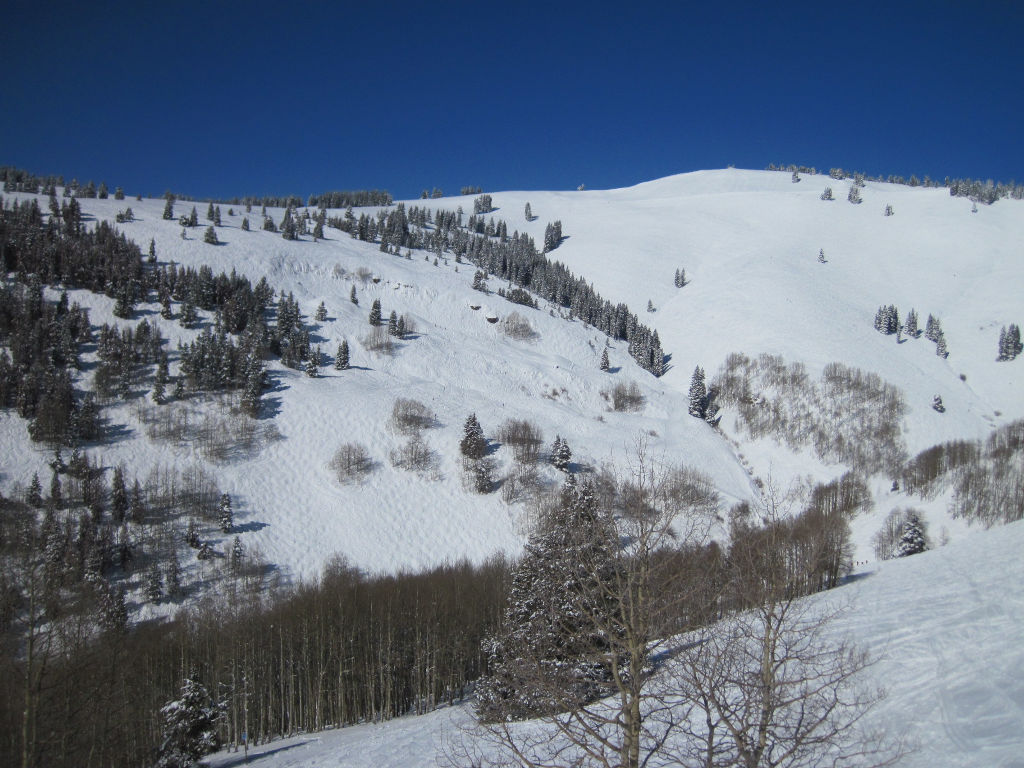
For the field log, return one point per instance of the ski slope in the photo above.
(748, 241)
(944, 627)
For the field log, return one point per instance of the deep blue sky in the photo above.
(223, 99)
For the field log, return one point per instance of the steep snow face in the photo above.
(748, 242)
(944, 627)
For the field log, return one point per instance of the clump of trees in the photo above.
(848, 416)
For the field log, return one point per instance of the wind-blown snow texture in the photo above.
(748, 241)
(944, 625)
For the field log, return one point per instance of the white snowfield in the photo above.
(945, 627)
(748, 242)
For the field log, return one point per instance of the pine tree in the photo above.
(169, 210)
(528, 213)
(341, 358)
(375, 312)
(56, 497)
(154, 584)
(34, 496)
(912, 540)
(209, 212)
(940, 346)
(173, 576)
(937, 404)
(393, 323)
(827, 194)
(561, 454)
(313, 364)
(888, 210)
(698, 394)
(226, 519)
(152, 251)
(910, 325)
(932, 329)
(193, 218)
(352, 296)
(210, 236)
(605, 364)
(118, 496)
(821, 256)
(473, 444)
(190, 725)
(544, 660)
(321, 313)
(216, 216)
(245, 223)
(854, 195)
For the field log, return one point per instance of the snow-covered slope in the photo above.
(748, 242)
(944, 627)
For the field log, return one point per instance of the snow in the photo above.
(944, 627)
(748, 241)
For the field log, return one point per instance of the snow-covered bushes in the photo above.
(523, 437)
(625, 396)
(515, 326)
(351, 462)
(849, 416)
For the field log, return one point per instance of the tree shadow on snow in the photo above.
(242, 759)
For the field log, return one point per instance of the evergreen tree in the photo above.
(940, 346)
(190, 725)
(321, 313)
(561, 454)
(341, 358)
(698, 394)
(375, 312)
(393, 323)
(209, 212)
(888, 210)
(313, 364)
(56, 497)
(912, 539)
(937, 404)
(193, 218)
(544, 660)
(118, 496)
(527, 212)
(154, 584)
(473, 444)
(210, 236)
(152, 251)
(352, 296)
(605, 364)
(169, 210)
(216, 216)
(226, 519)
(173, 576)
(289, 230)
(932, 329)
(827, 194)
(34, 496)
(910, 325)
(854, 195)
(245, 223)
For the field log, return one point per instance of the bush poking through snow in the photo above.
(515, 326)
(410, 416)
(625, 397)
(351, 462)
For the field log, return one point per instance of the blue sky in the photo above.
(222, 99)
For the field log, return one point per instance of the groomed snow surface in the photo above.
(944, 625)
